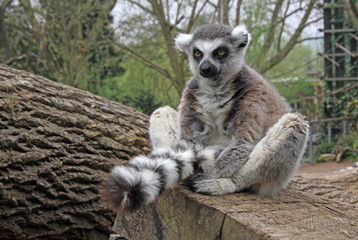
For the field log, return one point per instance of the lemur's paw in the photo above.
(294, 120)
(214, 187)
(290, 127)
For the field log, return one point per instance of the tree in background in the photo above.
(68, 41)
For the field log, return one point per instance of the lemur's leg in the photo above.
(165, 135)
(164, 128)
(271, 164)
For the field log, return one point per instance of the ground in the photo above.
(322, 168)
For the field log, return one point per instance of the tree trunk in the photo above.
(57, 145)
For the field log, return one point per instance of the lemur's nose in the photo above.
(207, 69)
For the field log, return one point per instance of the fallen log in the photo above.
(57, 144)
(340, 150)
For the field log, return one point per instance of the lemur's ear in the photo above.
(183, 40)
(241, 36)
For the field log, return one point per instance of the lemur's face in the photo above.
(210, 58)
(215, 52)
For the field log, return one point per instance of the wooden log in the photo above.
(340, 150)
(337, 186)
(57, 144)
(303, 211)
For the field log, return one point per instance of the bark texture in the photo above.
(57, 144)
(313, 207)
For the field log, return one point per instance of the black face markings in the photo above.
(221, 53)
(197, 54)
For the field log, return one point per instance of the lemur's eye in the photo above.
(197, 53)
(221, 52)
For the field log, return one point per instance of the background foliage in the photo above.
(124, 51)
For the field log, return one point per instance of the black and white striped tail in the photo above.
(144, 178)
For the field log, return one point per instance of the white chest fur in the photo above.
(215, 116)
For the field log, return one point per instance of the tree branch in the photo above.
(354, 8)
(283, 25)
(313, 21)
(198, 13)
(298, 67)
(15, 59)
(224, 12)
(169, 42)
(177, 19)
(289, 15)
(271, 33)
(141, 7)
(238, 10)
(192, 16)
(291, 43)
(308, 39)
(146, 62)
(167, 10)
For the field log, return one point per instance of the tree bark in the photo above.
(57, 145)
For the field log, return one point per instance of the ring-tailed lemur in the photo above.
(233, 130)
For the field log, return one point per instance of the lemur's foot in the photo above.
(214, 187)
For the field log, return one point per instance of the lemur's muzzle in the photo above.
(208, 70)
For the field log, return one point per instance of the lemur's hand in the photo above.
(205, 162)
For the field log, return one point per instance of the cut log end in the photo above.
(303, 211)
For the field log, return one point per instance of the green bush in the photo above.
(324, 147)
